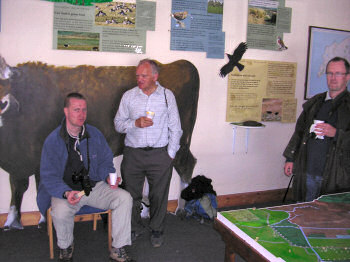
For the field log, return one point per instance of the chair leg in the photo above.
(109, 230)
(95, 221)
(50, 232)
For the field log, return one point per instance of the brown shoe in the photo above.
(66, 255)
(120, 255)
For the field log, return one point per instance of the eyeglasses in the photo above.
(336, 74)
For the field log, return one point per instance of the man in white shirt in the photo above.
(149, 116)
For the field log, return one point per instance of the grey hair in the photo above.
(152, 63)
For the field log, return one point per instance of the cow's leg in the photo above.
(180, 210)
(18, 187)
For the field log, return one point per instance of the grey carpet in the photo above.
(186, 240)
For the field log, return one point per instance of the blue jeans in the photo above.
(313, 187)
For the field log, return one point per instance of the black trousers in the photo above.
(156, 165)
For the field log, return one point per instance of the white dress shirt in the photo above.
(166, 128)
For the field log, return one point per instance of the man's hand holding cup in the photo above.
(113, 180)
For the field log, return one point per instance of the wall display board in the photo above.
(80, 2)
(263, 91)
(196, 25)
(324, 44)
(118, 26)
(267, 21)
(309, 231)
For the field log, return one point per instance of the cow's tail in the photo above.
(184, 163)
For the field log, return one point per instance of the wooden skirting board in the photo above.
(242, 199)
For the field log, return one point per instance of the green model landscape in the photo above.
(312, 231)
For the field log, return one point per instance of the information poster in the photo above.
(263, 91)
(267, 21)
(196, 25)
(118, 26)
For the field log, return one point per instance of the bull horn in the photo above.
(7, 101)
(5, 69)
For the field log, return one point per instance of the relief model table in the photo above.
(310, 231)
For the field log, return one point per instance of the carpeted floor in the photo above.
(186, 240)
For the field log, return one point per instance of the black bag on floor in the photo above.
(200, 198)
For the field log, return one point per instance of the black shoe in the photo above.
(120, 255)
(136, 234)
(66, 255)
(157, 238)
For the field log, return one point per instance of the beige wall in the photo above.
(26, 35)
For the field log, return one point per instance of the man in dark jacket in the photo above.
(319, 151)
(74, 171)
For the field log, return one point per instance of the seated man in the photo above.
(76, 158)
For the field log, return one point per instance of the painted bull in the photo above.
(31, 105)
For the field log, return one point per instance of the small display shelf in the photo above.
(247, 125)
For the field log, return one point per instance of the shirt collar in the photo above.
(64, 134)
(328, 97)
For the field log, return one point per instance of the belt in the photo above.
(148, 148)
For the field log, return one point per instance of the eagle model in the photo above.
(234, 60)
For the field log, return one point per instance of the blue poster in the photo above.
(196, 25)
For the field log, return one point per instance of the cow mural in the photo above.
(32, 96)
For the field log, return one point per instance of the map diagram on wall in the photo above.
(310, 231)
(324, 44)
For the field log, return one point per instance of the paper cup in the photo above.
(150, 114)
(318, 121)
(314, 128)
(113, 178)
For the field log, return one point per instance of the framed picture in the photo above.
(324, 44)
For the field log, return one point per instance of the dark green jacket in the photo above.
(336, 174)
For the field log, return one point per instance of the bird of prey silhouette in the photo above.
(234, 60)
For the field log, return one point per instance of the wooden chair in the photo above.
(86, 213)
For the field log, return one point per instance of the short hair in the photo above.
(152, 63)
(73, 95)
(339, 59)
